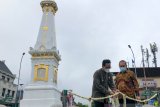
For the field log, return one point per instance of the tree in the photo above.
(81, 105)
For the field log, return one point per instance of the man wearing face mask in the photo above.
(126, 82)
(102, 81)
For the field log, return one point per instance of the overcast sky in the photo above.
(87, 31)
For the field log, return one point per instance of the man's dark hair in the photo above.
(105, 61)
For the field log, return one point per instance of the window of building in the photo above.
(8, 79)
(3, 92)
(8, 92)
(13, 92)
(3, 77)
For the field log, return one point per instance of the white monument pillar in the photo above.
(42, 90)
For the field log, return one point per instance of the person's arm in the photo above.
(98, 85)
(116, 81)
(111, 82)
(136, 85)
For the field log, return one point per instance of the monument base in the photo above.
(41, 96)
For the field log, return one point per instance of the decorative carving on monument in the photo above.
(41, 72)
(42, 47)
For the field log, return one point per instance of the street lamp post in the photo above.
(17, 99)
(133, 59)
(20, 92)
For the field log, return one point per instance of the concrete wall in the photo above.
(156, 79)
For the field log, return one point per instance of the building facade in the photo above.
(7, 87)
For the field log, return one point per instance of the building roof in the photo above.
(150, 72)
(4, 68)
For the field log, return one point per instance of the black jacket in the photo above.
(102, 81)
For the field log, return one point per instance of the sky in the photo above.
(87, 32)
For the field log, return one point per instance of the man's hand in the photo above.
(111, 93)
(138, 97)
(115, 90)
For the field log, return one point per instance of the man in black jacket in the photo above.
(102, 81)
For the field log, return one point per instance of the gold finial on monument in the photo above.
(49, 5)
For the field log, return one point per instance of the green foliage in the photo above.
(92, 104)
(81, 105)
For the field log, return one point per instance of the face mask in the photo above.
(123, 69)
(106, 70)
